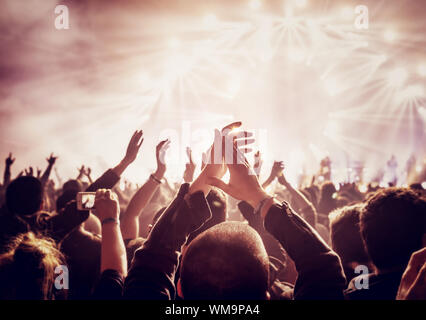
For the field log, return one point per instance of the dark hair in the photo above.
(66, 196)
(393, 223)
(27, 270)
(72, 184)
(228, 261)
(345, 234)
(24, 196)
(326, 202)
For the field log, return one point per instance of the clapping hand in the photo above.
(160, 154)
(188, 175)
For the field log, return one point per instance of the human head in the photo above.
(393, 224)
(27, 270)
(345, 234)
(24, 196)
(227, 261)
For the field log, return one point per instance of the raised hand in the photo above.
(29, 172)
(257, 166)
(38, 173)
(106, 204)
(243, 184)
(188, 175)
(10, 160)
(277, 169)
(51, 159)
(133, 147)
(160, 155)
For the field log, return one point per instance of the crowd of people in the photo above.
(206, 238)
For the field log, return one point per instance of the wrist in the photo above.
(159, 174)
(255, 199)
(110, 221)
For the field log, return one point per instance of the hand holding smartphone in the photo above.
(86, 201)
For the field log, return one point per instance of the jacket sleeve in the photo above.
(110, 286)
(320, 273)
(105, 181)
(151, 275)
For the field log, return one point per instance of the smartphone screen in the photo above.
(85, 200)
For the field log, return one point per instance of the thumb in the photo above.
(215, 182)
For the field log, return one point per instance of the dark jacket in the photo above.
(154, 265)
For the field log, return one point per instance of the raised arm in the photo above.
(112, 176)
(131, 153)
(151, 275)
(50, 163)
(130, 219)
(188, 175)
(320, 273)
(113, 251)
(299, 201)
(7, 172)
(276, 170)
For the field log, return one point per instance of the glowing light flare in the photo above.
(300, 3)
(296, 54)
(363, 188)
(397, 77)
(390, 36)
(332, 87)
(347, 13)
(210, 21)
(174, 43)
(255, 4)
(424, 185)
(411, 92)
(421, 70)
(177, 65)
(233, 86)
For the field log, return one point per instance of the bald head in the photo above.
(228, 261)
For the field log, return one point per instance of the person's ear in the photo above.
(179, 289)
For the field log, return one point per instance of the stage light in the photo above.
(296, 54)
(397, 77)
(255, 4)
(233, 86)
(301, 3)
(173, 43)
(363, 188)
(331, 86)
(390, 35)
(424, 185)
(421, 70)
(210, 20)
(347, 13)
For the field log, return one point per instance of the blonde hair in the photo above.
(28, 267)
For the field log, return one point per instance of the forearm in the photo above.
(45, 177)
(119, 168)
(107, 181)
(113, 252)
(320, 274)
(130, 219)
(267, 182)
(6, 176)
(151, 275)
(298, 198)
